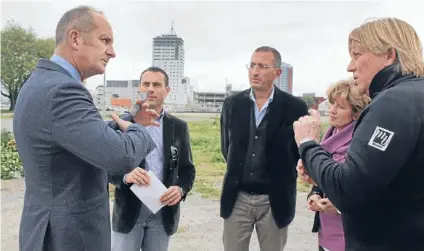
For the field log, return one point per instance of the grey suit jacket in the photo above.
(67, 150)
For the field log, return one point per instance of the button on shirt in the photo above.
(259, 115)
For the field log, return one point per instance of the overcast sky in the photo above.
(220, 37)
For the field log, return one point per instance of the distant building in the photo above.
(318, 102)
(168, 54)
(323, 108)
(99, 97)
(115, 89)
(212, 101)
(312, 96)
(308, 94)
(188, 89)
(285, 81)
(121, 102)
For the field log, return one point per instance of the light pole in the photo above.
(104, 91)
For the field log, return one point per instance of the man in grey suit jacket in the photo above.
(66, 147)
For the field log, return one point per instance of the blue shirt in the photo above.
(154, 160)
(67, 66)
(259, 115)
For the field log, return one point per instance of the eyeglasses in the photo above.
(259, 66)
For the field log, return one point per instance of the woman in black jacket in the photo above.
(379, 187)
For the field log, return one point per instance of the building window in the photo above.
(135, 83)
(117, 83)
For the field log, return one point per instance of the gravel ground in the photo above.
(200, 225)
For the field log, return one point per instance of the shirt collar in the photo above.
(271, 96)
(160, 118)
(67, 66)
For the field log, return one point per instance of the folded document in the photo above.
(150, 195)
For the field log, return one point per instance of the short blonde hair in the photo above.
(347, 90)
(379, 36)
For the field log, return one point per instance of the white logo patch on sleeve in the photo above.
(381, 138)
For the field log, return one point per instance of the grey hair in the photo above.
(79, 18)
(275, 53)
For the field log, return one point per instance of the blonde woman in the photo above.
(379, 188)
(345, 105)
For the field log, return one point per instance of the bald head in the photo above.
(84, 37)
(79, 18)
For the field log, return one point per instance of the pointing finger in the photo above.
(116, 118)
(144, 105)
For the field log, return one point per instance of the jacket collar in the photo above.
(386, 78)
(276, 110)
(50, 65)
(67, 66)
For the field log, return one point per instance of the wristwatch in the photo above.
(182, 191)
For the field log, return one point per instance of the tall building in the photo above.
(285, 81)
(168, 54)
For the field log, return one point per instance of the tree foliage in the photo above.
(20, 51)
(309, 101)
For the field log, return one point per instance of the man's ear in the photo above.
(278, 72)
(75, 38)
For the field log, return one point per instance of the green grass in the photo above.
(207, 157)
(210, 165)
(107, 117)
(8, 116)
(5, 111)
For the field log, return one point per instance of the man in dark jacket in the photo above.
(257, 141)
(134, 226)
(379, 188)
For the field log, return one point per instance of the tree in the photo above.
(309, 101)
(20, 51)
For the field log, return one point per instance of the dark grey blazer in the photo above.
(281, 150)
(67, 150)
(178, 169)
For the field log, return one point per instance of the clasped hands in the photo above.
(318, 204)
(145, 117)
(315, 202)
(140, 177)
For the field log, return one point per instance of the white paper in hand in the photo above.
(150, 195)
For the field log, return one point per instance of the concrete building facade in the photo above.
(285, 81)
